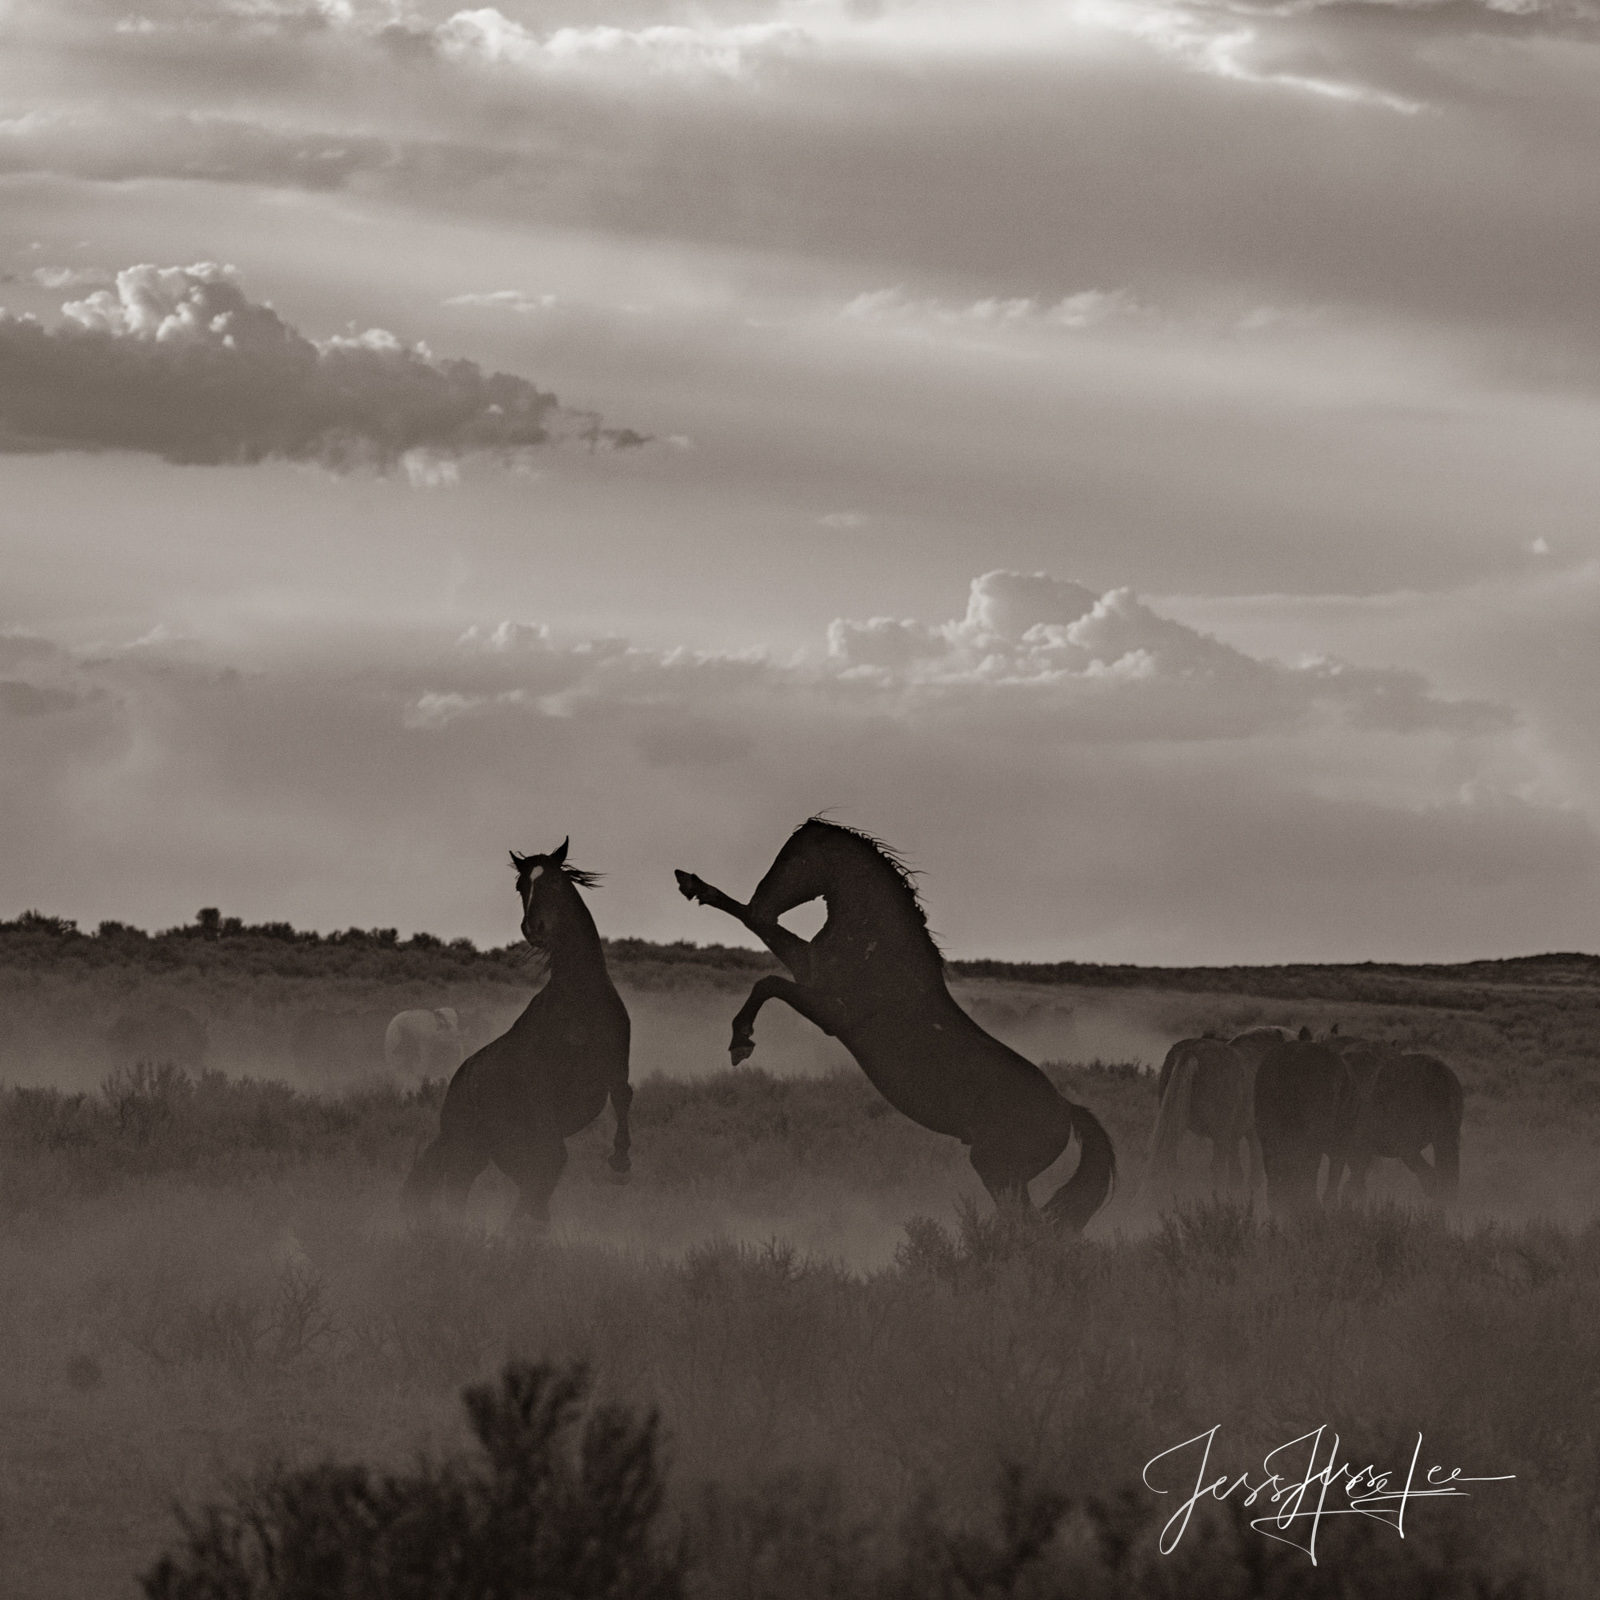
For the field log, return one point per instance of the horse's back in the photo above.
(1415, 1100)
(1218, 1085)
(1302, 1090)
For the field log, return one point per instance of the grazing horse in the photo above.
(1306, 1097)
(873, 978)
(1407, 1102)
(517, 1100)
(1205, 1089)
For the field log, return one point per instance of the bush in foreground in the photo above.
(548, 1510)
(552, 1511)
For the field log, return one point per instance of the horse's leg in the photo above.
(1001, 1176)
(448, 1165)
(1427, 1175)
(621, 1100)
(789, 948)
(1219, 1163)
(536, 1171)
(763, 990)
(1257, 1178)
(1225, 1173)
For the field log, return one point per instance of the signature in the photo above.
(1304, 1495)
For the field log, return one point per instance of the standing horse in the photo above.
(874, 979)
(1306, 1097)
(1407, 1102)
(517, 1100)
(1204, 1088)
(418, 1045)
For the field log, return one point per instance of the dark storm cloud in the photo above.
(178, 362)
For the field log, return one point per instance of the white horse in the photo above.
(423, 1044)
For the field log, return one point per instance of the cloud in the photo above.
(1088, 308)
(22, 699)
(1108, 666)
(487, 35)
(176, 361)
(72, 277)
(506, 300)
(1060, 810)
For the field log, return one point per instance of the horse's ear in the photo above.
(559, 855)
(519, 862)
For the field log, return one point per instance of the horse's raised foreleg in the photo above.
(789, 948)
(763, 990)
(621, 1100)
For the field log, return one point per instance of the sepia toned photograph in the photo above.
(800, 800)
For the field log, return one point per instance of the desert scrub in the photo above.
(546, 1508)
(551, 1510)
(153, 1118)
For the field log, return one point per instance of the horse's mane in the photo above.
(577, 875)
(905, 874)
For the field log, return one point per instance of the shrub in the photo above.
(547, 1512)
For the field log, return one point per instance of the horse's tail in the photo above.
(1172, 1116)
(1090, 1186)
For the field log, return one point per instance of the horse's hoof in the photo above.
(740, 1052)
(619, 1176)
(689, 886)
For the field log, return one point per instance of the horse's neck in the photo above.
(874, 907)
(577, 958)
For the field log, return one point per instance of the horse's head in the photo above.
(543, 886)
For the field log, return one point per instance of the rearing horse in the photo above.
(517, 1100)
(874, 979)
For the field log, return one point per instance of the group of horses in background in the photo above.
(1275, 1106)
(873, 978)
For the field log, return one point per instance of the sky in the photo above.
(1140, 460)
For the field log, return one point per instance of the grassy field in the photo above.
(204, 1274)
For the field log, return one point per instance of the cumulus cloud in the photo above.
(488, 35)
(1055, 814)
(177, 361)
(1108, 666)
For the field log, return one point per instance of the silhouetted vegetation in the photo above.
(35, 937)
(545, 1509)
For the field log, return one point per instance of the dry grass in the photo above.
(212, 1274)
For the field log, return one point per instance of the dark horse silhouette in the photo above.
(1306, 1097)
(874, 979)
(522, 1095)
(1405, 1103)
